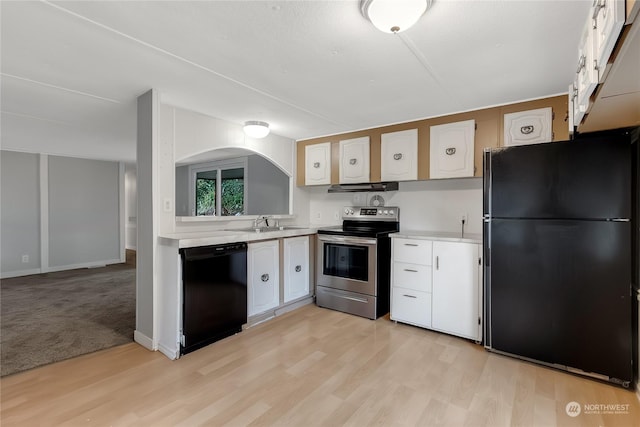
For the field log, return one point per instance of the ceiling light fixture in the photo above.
(256, 129)
(393, 16)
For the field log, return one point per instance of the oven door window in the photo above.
(346, 261)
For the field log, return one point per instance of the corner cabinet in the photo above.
(296, 268)
(354, 160)
(452, 150)
(263, 284)
(399, 160)
(437, 285)
(317, 169)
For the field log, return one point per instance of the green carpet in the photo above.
(50, 317)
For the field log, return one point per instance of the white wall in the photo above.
(131, 206)
(434, 205)
(20, 213)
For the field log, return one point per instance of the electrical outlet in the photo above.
(166, 205)
(25, 259)
(318, 215)
(357, 199)
(336, 215)
(463, 217)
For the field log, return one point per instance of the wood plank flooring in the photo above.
(310, 367)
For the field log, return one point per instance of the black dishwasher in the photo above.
(214, 293)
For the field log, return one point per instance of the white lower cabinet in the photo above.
(263, 284)
(410, 306)
(439, 288)
(456, 289)
(296, 268)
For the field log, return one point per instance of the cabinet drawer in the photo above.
(412, 276)
(412, 251)
(411, 306)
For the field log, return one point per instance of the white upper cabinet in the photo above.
(608, 20)
(587, 74)
(452, 148)
(528, 127)
(317, 169)
(354, 160)
(399, 156)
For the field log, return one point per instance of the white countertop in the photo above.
(449, 236)
(205, 238)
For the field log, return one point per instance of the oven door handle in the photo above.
(346, 239)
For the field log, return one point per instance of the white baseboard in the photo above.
(92, 264)
(143, 340)
(170, 353)
(19, 273)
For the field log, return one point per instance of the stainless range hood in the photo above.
(364, 187)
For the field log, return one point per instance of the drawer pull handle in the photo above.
(526, 130)
(397, 156)
(450, 151)
(410, 270)
(298, 268)
(410, 244)
(409, 296)
(353, 161)
(316, 165)
(264, 277)
(437, 263)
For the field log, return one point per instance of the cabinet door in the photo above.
(455, 290)
(296, 267)
(528, 127)
(354, 160)
(451, 150)
(610, 16)
(399, 160)
(264, 280)
(317, 168)
(587, 74)
(410, 306)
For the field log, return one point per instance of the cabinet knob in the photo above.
(298, 268)
(353, 161)
(450, 151)
(316, 165)
(397, 156)
(526, 130)
(264, 277)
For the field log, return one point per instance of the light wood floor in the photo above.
(309, 367)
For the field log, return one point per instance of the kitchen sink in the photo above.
(264, 229)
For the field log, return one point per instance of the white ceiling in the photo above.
(71, 71)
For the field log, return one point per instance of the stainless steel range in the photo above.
(353, 270)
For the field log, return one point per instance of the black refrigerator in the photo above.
(560, 254)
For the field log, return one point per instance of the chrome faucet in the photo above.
(259, 219)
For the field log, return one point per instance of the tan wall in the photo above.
(489, 122)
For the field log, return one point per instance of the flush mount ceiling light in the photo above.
(393, 16)
(256, 129)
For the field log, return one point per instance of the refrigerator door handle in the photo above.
(619, 219)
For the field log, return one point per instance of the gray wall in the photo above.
(19, 211)
(267, 188)
(182, 191)
(84, 222)
(145, 257)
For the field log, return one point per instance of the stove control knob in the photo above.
(379, 211)
(346, 211)
(386, 212)
(391, 212)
